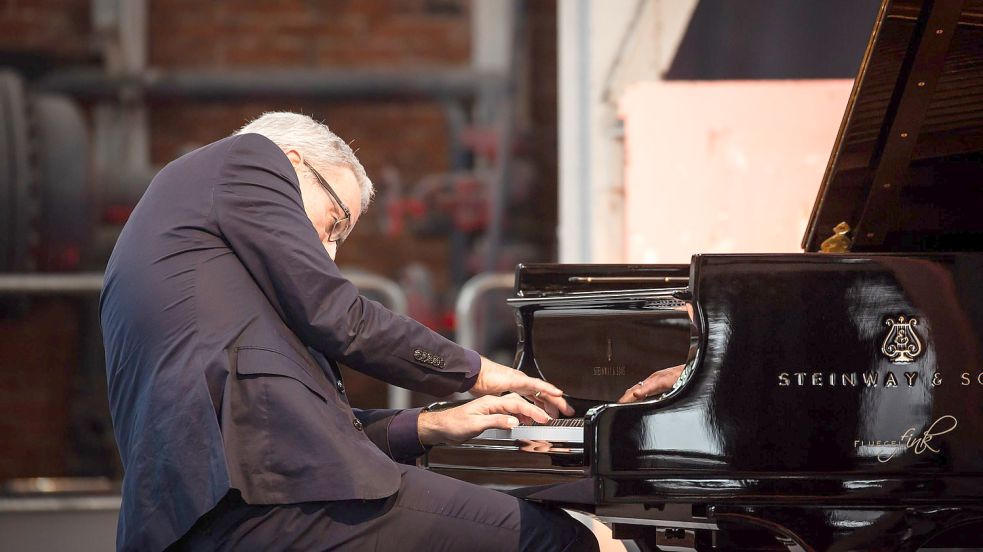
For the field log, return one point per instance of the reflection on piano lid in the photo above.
(596, 339)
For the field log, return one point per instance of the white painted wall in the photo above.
(604, 47)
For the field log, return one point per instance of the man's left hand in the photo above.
(495, 379)
(458, 424)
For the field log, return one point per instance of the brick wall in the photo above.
(38, 355)
(408, 137)
(56, 28)
(347, 33)
(39, 350)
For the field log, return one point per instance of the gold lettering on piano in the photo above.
(966, 379)
(871, 378)
(901, 344)
(610, 369)
(911, 440)
(616, 370)
(890, 380)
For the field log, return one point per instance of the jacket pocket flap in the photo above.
(257, 361)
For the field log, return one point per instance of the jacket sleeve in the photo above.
(258, 209)
(394, 432)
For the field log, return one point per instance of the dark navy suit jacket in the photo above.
(222, 318)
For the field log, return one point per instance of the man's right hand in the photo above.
(458, 424)
(495, 379)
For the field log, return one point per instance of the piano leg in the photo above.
(805, 529)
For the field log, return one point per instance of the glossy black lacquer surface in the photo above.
(596, 330)
(550, 279)
(790, 376)
(803, 410)
(798, 394)
(800, 338)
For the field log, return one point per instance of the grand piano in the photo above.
(830, 400)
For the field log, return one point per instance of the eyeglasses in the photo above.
(341, 227)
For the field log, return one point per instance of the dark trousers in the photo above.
(429, 512)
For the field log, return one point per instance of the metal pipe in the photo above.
(91, 283)
(21, 505)
(465, 308)
(395, 298)
(398, 303)
(467, 300)
(78, 283)
(223, 85)
(506, 127)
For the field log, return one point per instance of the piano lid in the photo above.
(906, 172)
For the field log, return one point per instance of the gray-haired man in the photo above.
(223, 317)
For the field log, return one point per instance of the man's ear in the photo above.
(296, 159)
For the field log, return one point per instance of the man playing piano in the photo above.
(224, 316)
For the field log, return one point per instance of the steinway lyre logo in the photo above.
(901, 344)
(610, 369)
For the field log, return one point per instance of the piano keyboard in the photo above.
(569, 430)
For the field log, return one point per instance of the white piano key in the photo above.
(566, 434)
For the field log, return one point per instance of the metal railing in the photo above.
(396, 301)
(81, 283)
(467, 300)
(85, 283)
(466, 308)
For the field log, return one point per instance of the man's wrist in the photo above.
(403, 435)
(427, 428)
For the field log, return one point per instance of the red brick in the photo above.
(408, 137)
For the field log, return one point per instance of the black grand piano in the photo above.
(830, 400)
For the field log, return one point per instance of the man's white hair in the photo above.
(314, 140)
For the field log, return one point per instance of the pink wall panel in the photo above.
(724, 166)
